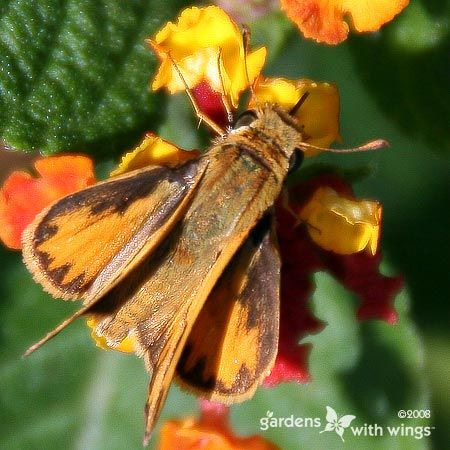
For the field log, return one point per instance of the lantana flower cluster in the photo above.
(321, 224)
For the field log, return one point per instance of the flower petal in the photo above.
(210, 432)
(301, 258)
(126, 346)
(248, 11)
(319, 115)
(323, 20)
(210, 103)
(358, 272)
(22, 197)
(340, 224)
(153, 150)
(66, 173)
(206, 45)
(371, 15)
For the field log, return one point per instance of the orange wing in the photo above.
(86, 242)
(234, 341)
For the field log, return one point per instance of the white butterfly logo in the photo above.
(338, 424)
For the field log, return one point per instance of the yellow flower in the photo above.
(340, 224)
(206, 45)
(153, 150)
(126, 346)
(319, 114)
(323, 20)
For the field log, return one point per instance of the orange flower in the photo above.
(323, 20)
(210, 432)
(22, 196)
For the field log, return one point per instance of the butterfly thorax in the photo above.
(269, 135)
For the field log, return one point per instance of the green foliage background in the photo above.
(74, 76)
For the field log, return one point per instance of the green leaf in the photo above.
(271, 31)
(75, 75)
(72, 395)
(406, 67)
(69, 394)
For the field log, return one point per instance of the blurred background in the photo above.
(75, 77)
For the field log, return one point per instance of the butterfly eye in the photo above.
(245, 119)
(296, 160)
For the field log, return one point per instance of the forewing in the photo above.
(233, 344)
(86, 242)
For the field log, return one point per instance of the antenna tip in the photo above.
(379, 143)
(29, 351)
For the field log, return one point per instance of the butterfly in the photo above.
(183, 260)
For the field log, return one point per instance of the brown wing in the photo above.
(84, 243)
(159, 302)
(234, 341)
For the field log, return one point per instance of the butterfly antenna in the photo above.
(299, 103)
(202, 117)
(369, 146)
(246, 34)
(225, 100)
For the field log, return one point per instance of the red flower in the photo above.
(301, 257)
(210, 103)
(23, 196)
